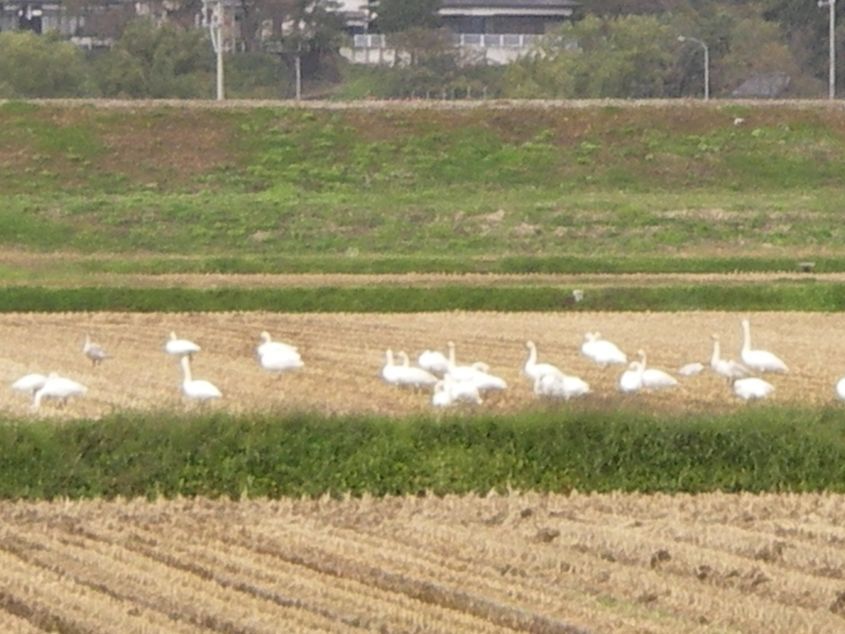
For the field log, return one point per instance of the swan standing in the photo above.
(180, 347)
(93, 351)
(30, 383)
(196, 389)
(477, 374)
(602, 351)
(759, 360)
(57, 387)
(447, 392)
(727, 368)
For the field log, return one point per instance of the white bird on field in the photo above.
(691, 369)
(561, 385)
(631, 380)
(840, 388)
(752, 388)
(404, 375)
(59, 388)
(93, 351)
(478, 373)
(30, 383)
(759, 360)
(280, 360)
(447, 392)
(196, 389)
(654, 379)
(727, 368)
(602, 351)
(267, 345)
(180, 347)
(434, 361)
(534, 370)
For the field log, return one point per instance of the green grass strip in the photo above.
(786, 295)
(134, 454)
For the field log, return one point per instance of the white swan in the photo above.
(267, 345)
(434, 361)
(631, 380)
(404, 375)
(196, 389)
(840, 388)
(477, 374)
(534, 370)
(691, 369)
(93, 351)
(752, 388)
(30, 383)
(448, 392)
(727, 368)
(759, 360)
(57, 387)
(602, 351)
(561, 385)
(280, 360)
(654, 379)
(180, 347)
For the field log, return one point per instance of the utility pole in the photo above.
(215, 29)
(831, 88)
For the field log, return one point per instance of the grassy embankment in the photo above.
(600, 188)
(755, 449)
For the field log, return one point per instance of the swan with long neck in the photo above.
(268, 346)
(534, 370)
(759, 360)
(728, 368)
(403, 375)
(196, 389)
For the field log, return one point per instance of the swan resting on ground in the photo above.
(752, 388)
(404, 375)
(447, 392)
(654, 379)
(433, 361)
(561, 385)
(631, 379)
(180, 347)
(268, 346)
(59, 388)
(602, 351)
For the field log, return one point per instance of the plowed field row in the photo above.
(343, 355)
(517, 563)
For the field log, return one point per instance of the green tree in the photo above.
(401, 15)
(628, 57)
(42, 66)
(153, 61)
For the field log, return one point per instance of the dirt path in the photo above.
(344, 353)
(519, 563)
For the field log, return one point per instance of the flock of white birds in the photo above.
(453, 383)
(273, 356)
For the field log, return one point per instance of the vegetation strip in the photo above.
(584, 448)
(786, 295)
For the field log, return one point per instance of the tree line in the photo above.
(615, 48)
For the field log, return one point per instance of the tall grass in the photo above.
(560, 449)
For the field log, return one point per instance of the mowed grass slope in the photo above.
(550, 188)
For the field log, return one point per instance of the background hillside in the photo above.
(615, 179)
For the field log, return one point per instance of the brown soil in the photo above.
(343, 355)
(517, 563)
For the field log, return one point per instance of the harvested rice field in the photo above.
(343, 355)
(514, 563)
